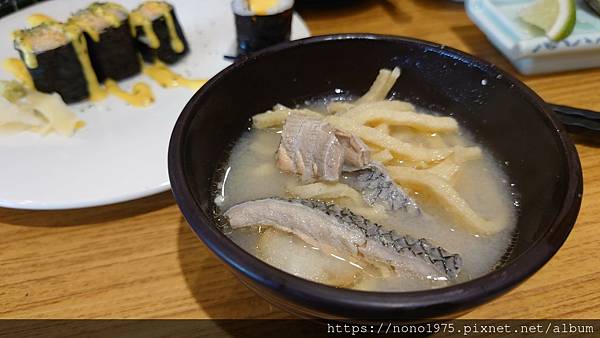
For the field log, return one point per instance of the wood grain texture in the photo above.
(140, 259)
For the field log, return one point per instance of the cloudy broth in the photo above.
(251, 173)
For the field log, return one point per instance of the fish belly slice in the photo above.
(331, 227)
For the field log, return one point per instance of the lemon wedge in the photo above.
(556, 17)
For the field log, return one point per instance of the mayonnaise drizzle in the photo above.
(165, 77)
(19, 71)
(140, 96)
(107, 11)
(38, 19)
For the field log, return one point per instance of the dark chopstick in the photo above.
(578, 121)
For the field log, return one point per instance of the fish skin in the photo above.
(316, 222)
(378, 188)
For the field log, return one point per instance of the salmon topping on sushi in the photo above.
(96, 18)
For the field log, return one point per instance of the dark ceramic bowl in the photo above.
(503, 114)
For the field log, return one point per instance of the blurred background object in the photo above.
(10, 6)
(594, 4)
(527, 47)
(258, 28)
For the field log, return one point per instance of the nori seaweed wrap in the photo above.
(52, 61)
(111, 47)
(260, 27)
(158, 33)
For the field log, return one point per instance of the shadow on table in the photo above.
(216, 290)
(584, 139)
(58, 218)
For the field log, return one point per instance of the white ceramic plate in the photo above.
(121, 154)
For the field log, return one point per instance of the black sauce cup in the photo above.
(504, 115)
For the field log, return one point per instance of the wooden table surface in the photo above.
(140, 259)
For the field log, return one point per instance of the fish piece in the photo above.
(309, 148)
(356, 152)
(378, 188)
(329, 226)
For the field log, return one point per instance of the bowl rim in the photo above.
(347, 302)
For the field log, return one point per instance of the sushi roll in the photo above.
(111, 48)
(51, 54)
(261, 23)
(158, 33)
